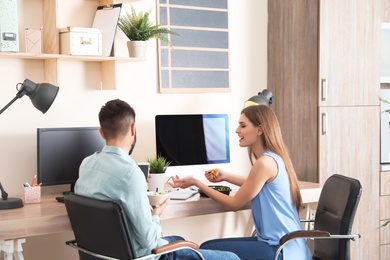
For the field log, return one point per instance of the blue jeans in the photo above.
(187, 254)
(247, 248)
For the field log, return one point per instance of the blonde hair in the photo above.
(272, 138)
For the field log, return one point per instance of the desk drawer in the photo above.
(384, 209)
(385, 183)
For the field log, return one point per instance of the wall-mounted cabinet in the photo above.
(52, 13)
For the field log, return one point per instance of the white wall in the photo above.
(80, 99)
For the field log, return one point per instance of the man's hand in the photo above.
(158, 210)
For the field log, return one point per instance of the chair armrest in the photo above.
(171, 247)
(180, 244)
(312, 234)
(303, 234)
(70, 242)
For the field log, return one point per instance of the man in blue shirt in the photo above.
(112, 174)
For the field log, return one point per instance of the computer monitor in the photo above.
(193, 139)
(61, 151)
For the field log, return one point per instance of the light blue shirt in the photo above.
(275, 214)
(113, 175)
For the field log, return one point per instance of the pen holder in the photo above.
(32, 194)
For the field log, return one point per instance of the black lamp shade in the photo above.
(42, 95)
(263, 98)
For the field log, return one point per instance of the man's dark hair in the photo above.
(115, 118)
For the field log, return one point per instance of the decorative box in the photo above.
(32, 194)
(33, 40)
(8, 26)
(81, 41)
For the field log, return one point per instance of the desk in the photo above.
(197, 205)
(50, 217)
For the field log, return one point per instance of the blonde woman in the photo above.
(271, 186)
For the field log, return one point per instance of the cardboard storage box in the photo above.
(8, 26)
(81, 41)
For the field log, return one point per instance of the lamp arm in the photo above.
(4, 194)
(10, 103)
(23, 91)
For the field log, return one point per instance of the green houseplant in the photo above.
(157, 168)
(138, 29)
(158, 164)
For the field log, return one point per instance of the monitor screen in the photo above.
(191, 139)
(61, 151)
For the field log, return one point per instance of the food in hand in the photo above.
(214, 173)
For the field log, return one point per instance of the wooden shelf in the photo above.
(42, 56)
(51, 54)
(107, 65)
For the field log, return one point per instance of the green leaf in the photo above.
(385, 101)
(387, 222)
(158, 164)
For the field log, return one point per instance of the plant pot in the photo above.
(137, 49)
(156, 181)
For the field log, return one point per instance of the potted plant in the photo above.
(157, 168)
(138, 29)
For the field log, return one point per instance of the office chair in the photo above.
(335, 213)
(101, 231)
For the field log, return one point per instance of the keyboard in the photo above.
(182, 194)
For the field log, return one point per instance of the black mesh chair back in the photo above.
(335, 213)
(99, 226)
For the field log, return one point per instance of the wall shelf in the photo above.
(42, 56)
(51, 55)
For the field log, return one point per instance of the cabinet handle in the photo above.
(324, 89)
(324, 119)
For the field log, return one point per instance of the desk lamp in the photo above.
(42, 96)
(263, 98)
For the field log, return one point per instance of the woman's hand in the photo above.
(182, 183)
(217, 176)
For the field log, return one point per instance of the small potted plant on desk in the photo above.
(138, 29)
(157, 168)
